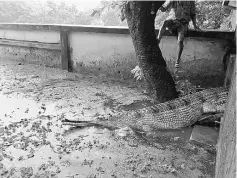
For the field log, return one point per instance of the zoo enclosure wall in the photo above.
(109, 52)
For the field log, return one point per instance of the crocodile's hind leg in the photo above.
(207, 118)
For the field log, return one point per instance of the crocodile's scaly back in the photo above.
(180, 117)
(181, 112)
(184, 111)
(212, 95)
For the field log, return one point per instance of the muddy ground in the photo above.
(34, 143)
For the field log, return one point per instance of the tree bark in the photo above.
(141, 23)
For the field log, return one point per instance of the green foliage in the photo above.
(49, 13)
(111, 18)
(210, 14)
(116, 7)
(12, 11)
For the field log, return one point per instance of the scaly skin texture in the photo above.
(181, 112)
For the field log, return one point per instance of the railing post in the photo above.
(65, 52)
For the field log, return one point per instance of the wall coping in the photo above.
(108, 29)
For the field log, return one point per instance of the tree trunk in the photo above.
(142, 30)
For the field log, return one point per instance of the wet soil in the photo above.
(34, 143)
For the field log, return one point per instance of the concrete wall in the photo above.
(49, 58)
(226, 150)
(45, 57)
(114, 55)
(110, 52)
(24, 35)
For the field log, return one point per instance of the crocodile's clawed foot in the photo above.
(207, 118)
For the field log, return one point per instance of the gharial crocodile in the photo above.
(181, 112)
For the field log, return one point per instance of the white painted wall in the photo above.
(113, 54)
(39, 36)
(101, 49)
